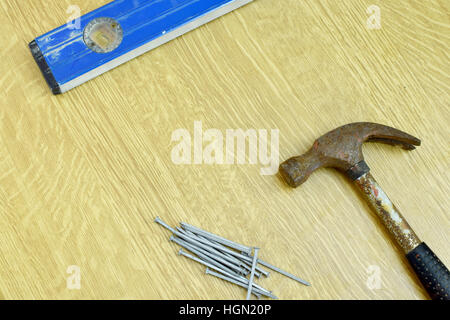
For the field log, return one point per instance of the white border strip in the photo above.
(153, 44)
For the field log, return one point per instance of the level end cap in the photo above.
(45, 69)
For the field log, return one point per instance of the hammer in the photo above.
(341, 148)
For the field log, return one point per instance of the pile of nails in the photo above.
(225, 259)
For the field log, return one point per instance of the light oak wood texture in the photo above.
(83, 175)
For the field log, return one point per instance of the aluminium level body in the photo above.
(116, 33)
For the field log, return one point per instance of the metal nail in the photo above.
(287, 274)
(182, 233)
(165, 225)
(214, 255)
(248, 268)
(241, 284)
(246, 281)
(230, 257)
(217, 238)
(205, 255)
(216, 249)
(194, 241)
(206, 258)
(224, 249)
(187, 255)
(252, 274)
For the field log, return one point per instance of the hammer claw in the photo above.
(392, 142)
(380, 133)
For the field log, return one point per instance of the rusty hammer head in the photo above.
(341, 148)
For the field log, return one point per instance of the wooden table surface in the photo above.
(84, 174)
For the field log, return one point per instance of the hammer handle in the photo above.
(391, 217)
(432, 273)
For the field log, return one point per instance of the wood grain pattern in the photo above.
(83, 175)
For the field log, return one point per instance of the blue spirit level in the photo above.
(116, 33)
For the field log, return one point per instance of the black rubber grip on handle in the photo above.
(434, 276)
